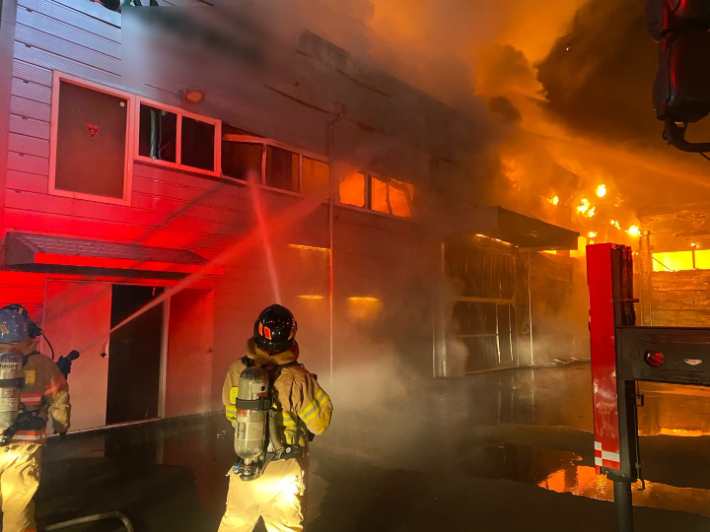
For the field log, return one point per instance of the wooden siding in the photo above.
(674, 299)
(173, 208)
(681, 299)
(8, 14)
(382, 111)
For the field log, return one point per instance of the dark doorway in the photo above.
(134, 355)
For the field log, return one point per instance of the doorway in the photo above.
(135, 355)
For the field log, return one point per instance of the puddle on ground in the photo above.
(583, 481)
(563, 472)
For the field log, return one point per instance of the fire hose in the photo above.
(93, 518)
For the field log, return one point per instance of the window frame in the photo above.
(264, 142)
(59, 77)
(367, 206)
(180, 113)
(384, 179)
(368, 197)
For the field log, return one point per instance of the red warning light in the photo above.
(654, 359)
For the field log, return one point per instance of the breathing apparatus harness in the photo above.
(274, 448)
(12, 382)
(31, 419)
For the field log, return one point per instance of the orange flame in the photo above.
(601, 190)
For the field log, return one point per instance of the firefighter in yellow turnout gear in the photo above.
(44, 392)
(301, 406)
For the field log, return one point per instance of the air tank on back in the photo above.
(11, 376)
(250, 433)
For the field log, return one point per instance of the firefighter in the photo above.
(43, 391)
(301, 409)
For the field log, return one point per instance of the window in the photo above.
(239, 159)
(198, 144)
(676, 261)
(702, 259)
(391, 196)
(282, 169)
(173, 137)
(90, 136)
(352, 190)
(316, 177)
(378, 193)
(277, 165)
(158, 134)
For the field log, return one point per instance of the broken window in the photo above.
(158, 134)
(175, 138)
(198, 144)
(91, 137)
(391, 196)
(282, 169)
(352, 190)
(240, 159)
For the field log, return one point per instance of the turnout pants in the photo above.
(20, 465)
(277, 497)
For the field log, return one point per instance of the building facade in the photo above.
(147, 224)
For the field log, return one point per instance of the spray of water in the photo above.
(258, 204)
(291, 215)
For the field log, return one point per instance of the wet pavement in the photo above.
(506, 452)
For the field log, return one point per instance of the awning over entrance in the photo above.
(72, 256)
(529, 234)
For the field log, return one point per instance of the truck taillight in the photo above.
(654, 359)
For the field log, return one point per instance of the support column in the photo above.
(624, 506)
(530, 310)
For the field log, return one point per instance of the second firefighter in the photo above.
(32, 388)
(276, 406)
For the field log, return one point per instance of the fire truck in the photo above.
(624, 354)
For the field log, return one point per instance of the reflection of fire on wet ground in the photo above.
(563, 472)
(584, 482)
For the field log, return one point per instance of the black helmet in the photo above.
(275, 330)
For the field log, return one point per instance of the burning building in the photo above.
(344, 193)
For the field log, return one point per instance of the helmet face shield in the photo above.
(14, 326)
(275, 329)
